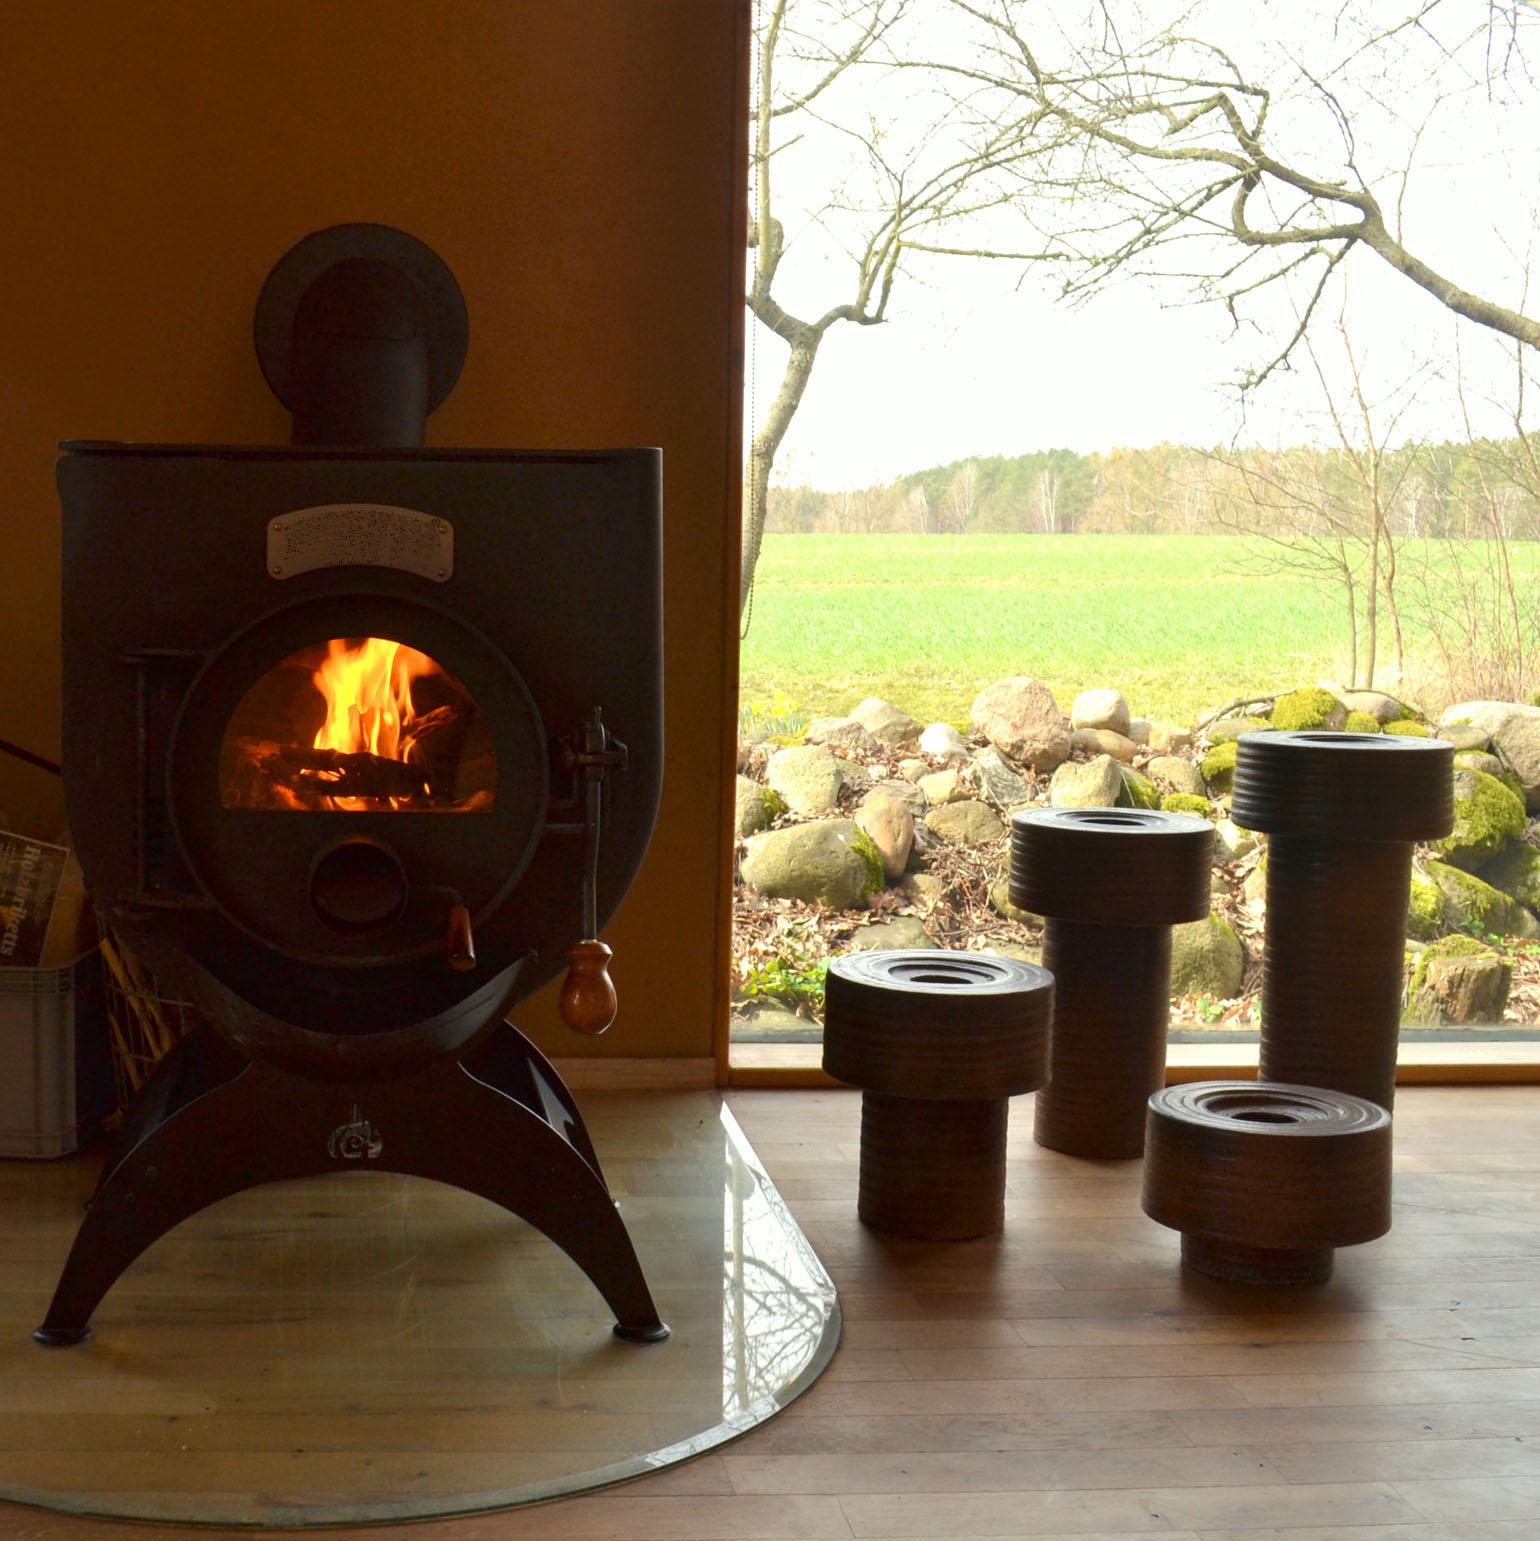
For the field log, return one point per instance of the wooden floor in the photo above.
(1062, 1381)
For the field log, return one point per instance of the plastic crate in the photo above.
(55, 1067)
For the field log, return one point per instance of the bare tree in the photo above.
(1288, 502)
(962, 496)
(918, 190)
(1161, 151)
(1330, 516)
(917, 510)
(1379, 483)
(1045, 494)
(1478, 612)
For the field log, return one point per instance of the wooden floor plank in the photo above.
(1157, 1510)
(1062, 1380)
(1388, 1388)
(1017, 1471)
(1475, 1498)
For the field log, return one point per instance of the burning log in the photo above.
(434, 745)
(334, 774)
(397, 733)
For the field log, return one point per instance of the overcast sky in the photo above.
(976, 359)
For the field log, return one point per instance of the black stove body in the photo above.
(359, 742)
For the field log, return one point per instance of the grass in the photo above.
(1179, 623)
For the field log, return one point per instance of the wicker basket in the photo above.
(143, 1023)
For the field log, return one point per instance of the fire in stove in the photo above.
(358, 725)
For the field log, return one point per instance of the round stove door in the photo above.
(348, 770)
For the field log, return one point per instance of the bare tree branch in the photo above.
(1141, 125)
(912, 201)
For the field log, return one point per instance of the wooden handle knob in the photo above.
(462, 945)
(588, 996)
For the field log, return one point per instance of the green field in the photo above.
(1179, 623)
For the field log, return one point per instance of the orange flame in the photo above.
(367, 687)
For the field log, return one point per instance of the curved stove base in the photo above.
(367, 1346)
(211, 1123)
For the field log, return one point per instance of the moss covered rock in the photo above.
(1228, 729)
(889, 825)
(1372, 703)
(1187, 802)
(1472, 905)
(1207, 959)
(1425, 911)
(1407, 727)
(808, 776)
(1138, 790)
(1480, 760)
(1487, 818)
(866, 848)
(1464, 734)
(1218, 767)
(1517, 873)
(828, 861)
(1360, 722)
(756, 806)
(1309, 708)
(1458, 980)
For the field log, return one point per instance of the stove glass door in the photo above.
(358, 725)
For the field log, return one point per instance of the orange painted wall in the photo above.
(577, 162)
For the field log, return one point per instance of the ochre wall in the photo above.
(577, 162)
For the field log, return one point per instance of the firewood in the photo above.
(331, 773)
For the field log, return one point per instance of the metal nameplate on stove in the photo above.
(360, 535)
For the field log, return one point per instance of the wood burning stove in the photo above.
(362, 745)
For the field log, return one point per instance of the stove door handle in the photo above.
(461, 943)
(588, 1001)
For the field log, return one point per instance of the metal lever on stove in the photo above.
(588, 1001)
(460, 943)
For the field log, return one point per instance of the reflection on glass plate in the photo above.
(370, 1347)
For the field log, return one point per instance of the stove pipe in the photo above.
(361, 331)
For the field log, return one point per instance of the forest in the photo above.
(1477, 489)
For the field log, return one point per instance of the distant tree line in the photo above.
(1475, 490)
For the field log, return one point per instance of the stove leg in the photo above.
(508, 1062)
(536, 1172)
(182, 1151)
(192, 1067)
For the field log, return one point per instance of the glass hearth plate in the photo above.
(372, 1347)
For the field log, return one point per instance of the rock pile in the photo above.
(878, 830)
